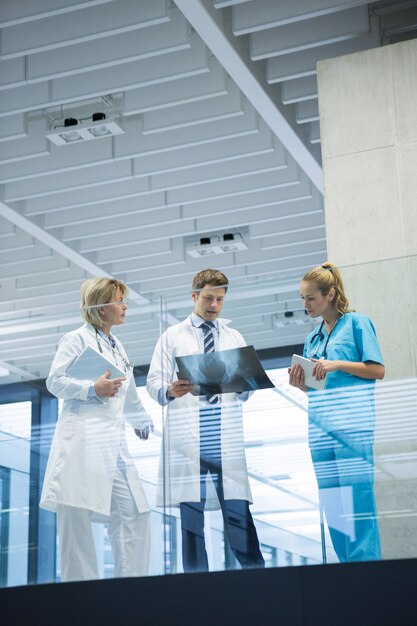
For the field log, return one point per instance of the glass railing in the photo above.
(321, 469)
(232, 475)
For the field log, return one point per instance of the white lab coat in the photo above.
(179, 469)
(90, 434)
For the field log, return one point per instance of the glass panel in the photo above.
(242, 450)
(145, 455)
(15, 437)
(281, 474)
(270, 448)
(355, 439)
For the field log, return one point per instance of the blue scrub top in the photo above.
(347, 401)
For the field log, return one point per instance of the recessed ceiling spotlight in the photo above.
(291, 318)
(215, 244)
(99, 127)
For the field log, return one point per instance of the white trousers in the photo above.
(129, 533)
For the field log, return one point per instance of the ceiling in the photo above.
(218, 101)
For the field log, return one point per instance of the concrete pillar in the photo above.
(368, 120)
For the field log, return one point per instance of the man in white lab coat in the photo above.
(203, 435)
(90, 475)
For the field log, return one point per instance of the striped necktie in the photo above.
(209, 347)
(210, 416)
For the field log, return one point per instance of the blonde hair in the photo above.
(96, 292)
(325, 277)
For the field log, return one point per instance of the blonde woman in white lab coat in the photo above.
(90, 475)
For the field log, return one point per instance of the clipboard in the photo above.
(90, 364)
(307, 366)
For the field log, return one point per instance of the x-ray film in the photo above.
(224, 371)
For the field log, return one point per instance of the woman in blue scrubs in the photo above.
(342, 416)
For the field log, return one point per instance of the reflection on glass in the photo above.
(281, 475)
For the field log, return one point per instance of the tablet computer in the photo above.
(307, 366)
(90, 364)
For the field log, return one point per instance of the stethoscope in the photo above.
(112, 343)
(320, 335)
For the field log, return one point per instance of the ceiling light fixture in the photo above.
(291, 318)
(215, 244)
(99, 127)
